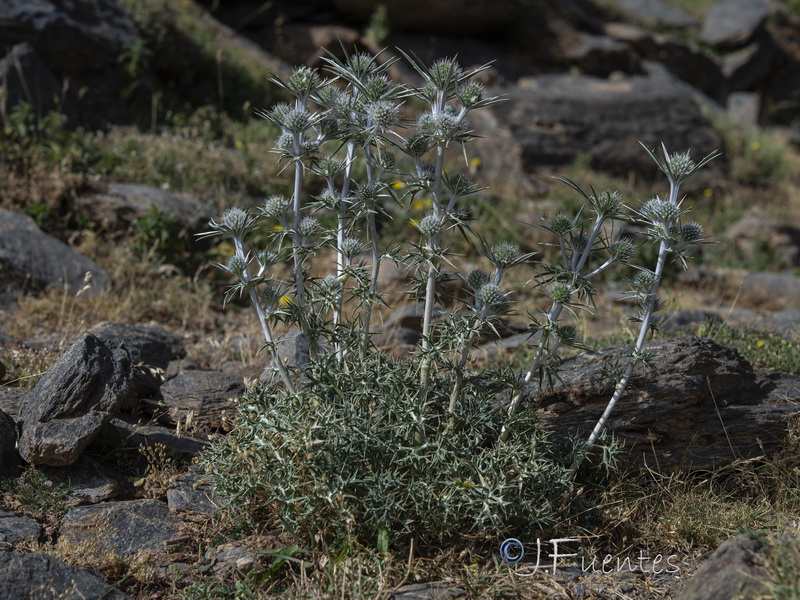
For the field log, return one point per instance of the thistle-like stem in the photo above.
(430, 287)
(341, 232)
(263, 320)
(376, 258)
(300, 288)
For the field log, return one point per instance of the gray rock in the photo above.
(12, 399)
(753, 236)
(43, 577)
(396, 341)
(133, 432)
(73, 401)
(14, 528)
(548, 121)
(733, 23)
(151, 346)
(31, 260)
(206, 395)
(745, 107)
(601, 55)
(410, 316)
(124, 528)
(735, 570)
(79, 41)
(88, 481)
(654, 13)
(192, 494)
(674, 417)
(427, 591)
(27, 79)
(229, 559)
(10, 461)
(121, 204)
(293, 350)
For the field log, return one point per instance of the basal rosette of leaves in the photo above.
(358, 453)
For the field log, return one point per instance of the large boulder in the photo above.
(73, 401)
(10, 462)
(43, 577)
(122, 528)
(201, 397)
(702, 406)
(117, 207)
(151, 346)
(80, 41)
(548, 121)
(31, 260)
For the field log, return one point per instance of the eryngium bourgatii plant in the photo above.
(353, 134)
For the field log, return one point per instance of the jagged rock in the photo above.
(550, 120)
(10, 462)
(410, 316)
(14, 528)
(293, 350)
(123, 528)
(654, 13)
(735, 570)
(733, 23)
(229, 559)
(427, 591)
(31, 260)
(88, 481)
(12, 399)
(192, 494)
(397, 341)
(601, 55)
(43, 577)
(747, 66)
(446, 17)
(79, 41)
(121, 204)
(687, 63)
(27, 79)
(133, 432)
(73, 401)
(151, 346)
(206, 395)
(674, 416)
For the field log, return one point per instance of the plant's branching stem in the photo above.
(343, 222)
(376, 258)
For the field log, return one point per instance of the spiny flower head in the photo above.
(608, 203)
(470, 94)
(561, 224)
(430, 226)
(235, 222)
(275, 206)
(329, 166)
(477, 279)
(661, 211)
(560, 293)
(692, 233)
(622, 250)
(381, 115)
(505, 254)
(236, 265)
(308, 227)
(351, 247)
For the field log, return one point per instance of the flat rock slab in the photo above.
(735, 570)
(31, 261)
(133, 433)
(733, 23)
(702, 408)
(121, 204)
(125, 528)
(205, 395)
(192, 494)
(73, 401)
(88, 481)
(15, 528)
(12, 399)
(548, 121)
(40, 576)
(150, 346)
(10, 461)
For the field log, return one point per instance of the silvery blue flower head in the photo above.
(679, 165)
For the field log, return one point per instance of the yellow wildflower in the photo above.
(755, 146)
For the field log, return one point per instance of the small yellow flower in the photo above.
(239, 144)
(755, 146)
(708, 192)
(421, 203)
(398, 185)
(278, 228)
(760, 343)
(185, 4)
(475, 162)
(413, 222)
(285, 301)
